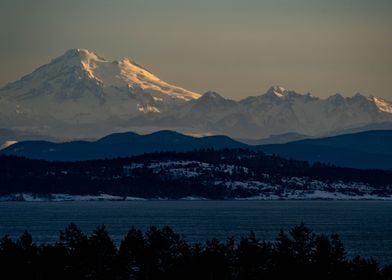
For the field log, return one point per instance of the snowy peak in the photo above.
(277, 91)
(281, 93)
(80, 54)
(81, 88)
(382, 105)
(370, 102)
(123, 73)
(79, 58)
(78, 65)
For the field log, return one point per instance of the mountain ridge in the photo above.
(82, 95)
(364, 150)
(118, 145)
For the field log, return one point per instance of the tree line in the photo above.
(160, 253)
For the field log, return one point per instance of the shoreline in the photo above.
(315, 196)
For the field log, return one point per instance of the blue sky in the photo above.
(237, 48)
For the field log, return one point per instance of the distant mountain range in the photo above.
(81, 95)
(366, 150)
(118, 145)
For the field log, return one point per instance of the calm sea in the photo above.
(364, 226)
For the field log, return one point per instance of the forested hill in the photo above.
(207, 173)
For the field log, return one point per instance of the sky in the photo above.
(237, 48)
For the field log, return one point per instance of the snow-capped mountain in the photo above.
(82, 95)
(288, 111)
(278, 111)
(82, 88)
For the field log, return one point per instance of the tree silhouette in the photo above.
(163, 254)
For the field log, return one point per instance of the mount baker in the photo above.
(81, 95)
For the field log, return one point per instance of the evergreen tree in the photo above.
(132, 255)
(102, 253)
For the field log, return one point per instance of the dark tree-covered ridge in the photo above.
(213, 174)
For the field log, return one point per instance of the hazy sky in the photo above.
(235, 47)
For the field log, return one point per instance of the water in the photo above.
(364, 226)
